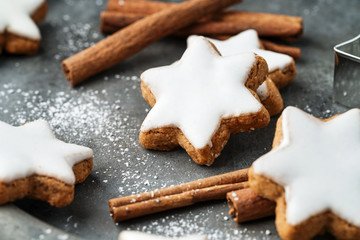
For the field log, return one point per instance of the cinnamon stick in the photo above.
(266, 24)
(246, 205)
(135, 37)
(221, 23)
(160, 204)
(185, 194)
(111, 22)
(291, 51)
(227, 178)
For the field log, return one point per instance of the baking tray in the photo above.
(105, 113)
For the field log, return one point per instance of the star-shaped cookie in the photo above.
(33, 163)
(201, 99)
(18, 31)
(313, 174)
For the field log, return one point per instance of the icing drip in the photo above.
(311, 153)
(194, 93)
(15, 17)
(33, 149)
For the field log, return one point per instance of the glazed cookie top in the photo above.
(33, 149)
(195, 92)
(248, 41)
(15, 17)
(317, 163)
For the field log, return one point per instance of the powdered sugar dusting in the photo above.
(195, 223)
(75, 114)
(78, 37)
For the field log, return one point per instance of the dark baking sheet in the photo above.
(106, 112)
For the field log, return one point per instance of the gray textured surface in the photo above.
(17, 224)
(105, 114)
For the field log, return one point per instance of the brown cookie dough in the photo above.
(49, 189)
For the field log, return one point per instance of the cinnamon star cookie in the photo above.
(312, 173)
(34, 164)
(201, 99)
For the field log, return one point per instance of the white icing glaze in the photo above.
(262, 91)
(195, 92)
(318, 165)
(33, 149)
(15, 17)
(248, 41)
(134, 235)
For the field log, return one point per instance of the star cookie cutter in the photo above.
(347, 73)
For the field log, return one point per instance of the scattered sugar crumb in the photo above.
(308, 109)
(69, 218)
(62, 237)
(176, 226)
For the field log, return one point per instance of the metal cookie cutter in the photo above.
(347, 73)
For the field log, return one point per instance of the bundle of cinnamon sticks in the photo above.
(220, 25)
(243, 202)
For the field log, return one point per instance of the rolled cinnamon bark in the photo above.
(227, 178)
(291, 51)
(160, 204)
(246, 205)
(266, 24)
(111, 22)
(135, 37)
